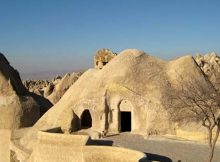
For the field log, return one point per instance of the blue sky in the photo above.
(42, 35)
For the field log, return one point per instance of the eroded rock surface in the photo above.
(132, 82)
(52, 90)
(18, 107)
(102, 57)
(130, 88)
(210, 64)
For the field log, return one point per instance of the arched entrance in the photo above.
(125, 121)
(86, 119)
(125, 116)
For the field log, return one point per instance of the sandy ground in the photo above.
(165, 149)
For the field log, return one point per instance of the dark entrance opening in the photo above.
(86, 119)
(125, 121)
(104, 63)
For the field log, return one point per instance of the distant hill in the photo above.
(45, 75)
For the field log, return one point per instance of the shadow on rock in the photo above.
(44, 103)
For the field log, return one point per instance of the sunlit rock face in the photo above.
(129, 89)
(210, 64)
(54, 89)
(18, 107)
(102, 57)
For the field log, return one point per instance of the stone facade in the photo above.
(128, 90)
(125, 95)
(54, 147)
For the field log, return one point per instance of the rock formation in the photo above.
(60, 87)
(18, 107)
(36, 86)
(129, 89)
(102, 57)
(210, 64)
(52, 90)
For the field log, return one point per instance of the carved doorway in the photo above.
(86, 119)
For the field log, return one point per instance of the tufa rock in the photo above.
(18, 107)
(52, 90)
(132, 82)
(210, 65)
(102, 57)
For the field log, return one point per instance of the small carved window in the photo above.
(104, 63)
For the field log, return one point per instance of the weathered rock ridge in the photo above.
(133, 82)
(18, 107)
(52, 90)
(210, 65)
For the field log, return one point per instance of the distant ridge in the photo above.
(45, 75)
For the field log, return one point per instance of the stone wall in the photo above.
(54, 147)
(111, 154)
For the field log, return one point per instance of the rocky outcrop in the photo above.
(18, 107)
(132, 82)
(210, 65)
(59, 87)
(36, 86)
(102, 57)
(52, 90)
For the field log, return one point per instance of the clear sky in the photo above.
(41, 35)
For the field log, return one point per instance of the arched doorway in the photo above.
(125, 116)
(86, 119)
(125, 121)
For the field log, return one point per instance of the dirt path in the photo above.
(164, 149)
